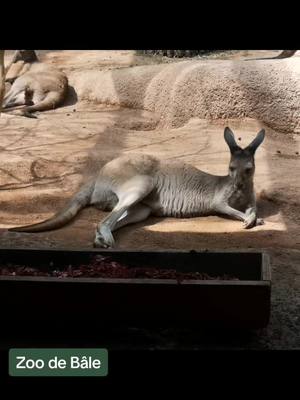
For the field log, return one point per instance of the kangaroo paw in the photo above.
(250, 221)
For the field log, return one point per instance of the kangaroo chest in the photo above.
(238, 199)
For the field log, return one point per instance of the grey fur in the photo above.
(134, 186)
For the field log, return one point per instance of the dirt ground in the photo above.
(44, 161)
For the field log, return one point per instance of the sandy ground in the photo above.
(44, 161)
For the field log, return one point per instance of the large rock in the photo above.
(267, 90)
(176, 53)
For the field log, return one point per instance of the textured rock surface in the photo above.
(266, 90)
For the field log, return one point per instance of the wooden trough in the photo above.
(243, 303)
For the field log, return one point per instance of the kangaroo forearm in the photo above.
(251, 207)
(232, 212)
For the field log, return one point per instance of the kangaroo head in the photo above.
(242, 165)
(28, 56)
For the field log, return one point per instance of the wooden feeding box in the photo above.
(242, 302)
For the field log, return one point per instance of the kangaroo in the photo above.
(35, 87)
(133, 187)
(19, 64)
(280, 56)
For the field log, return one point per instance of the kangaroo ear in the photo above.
(256, 142)
(230, 140)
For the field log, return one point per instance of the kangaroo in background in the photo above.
(134, 186)
(280, 56)
(19, 64)
(35, 86)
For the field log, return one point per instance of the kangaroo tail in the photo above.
(78, 202)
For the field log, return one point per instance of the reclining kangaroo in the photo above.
(133, 187)
(35, 86)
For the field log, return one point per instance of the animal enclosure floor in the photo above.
(45, 160)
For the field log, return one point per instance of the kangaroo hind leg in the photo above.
(137, 213)
(13, 98)
(41, 103)
(128, 210)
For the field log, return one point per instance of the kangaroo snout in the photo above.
(240, 185)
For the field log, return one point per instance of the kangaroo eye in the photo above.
(248, 170)
(232, 169)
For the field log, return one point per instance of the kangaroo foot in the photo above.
(104, 238)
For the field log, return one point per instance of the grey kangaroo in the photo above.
(134, 186)
(35, 86)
